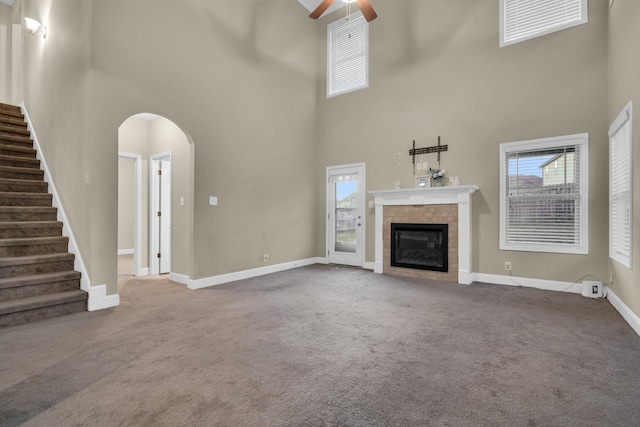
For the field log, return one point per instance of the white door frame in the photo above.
(360, 169)
(154, 244)
(137, 211)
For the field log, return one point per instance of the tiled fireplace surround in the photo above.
(439, 205)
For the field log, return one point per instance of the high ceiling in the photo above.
(312, 4)
(309, 4)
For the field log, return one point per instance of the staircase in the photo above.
(37, 279)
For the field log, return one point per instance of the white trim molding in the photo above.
(125, 251)
(632, 319)
(240, 275)
(458, 195)
(547, 285)
(99, 300)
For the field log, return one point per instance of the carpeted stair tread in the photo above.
(21, 162)
(16, 172)
(17, 151)
(41, 301)
(16, 128)
(37, 276)
(22, 225)
(16, 214)
(33, 279)
(13, 288)
(35, 259)
(24, 246)
(25, 199)
(12, 120)
(15, 140)
(10, 108)
(24, 241)
(14, 185)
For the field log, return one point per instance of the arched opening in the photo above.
(155, 209)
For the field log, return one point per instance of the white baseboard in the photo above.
(632, 319)
(550, 285)
(144, 271)
(239, 275)
(369, 265)
(323, 260)
(125, 251)
(99, 300)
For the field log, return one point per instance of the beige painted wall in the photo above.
(134, 138)
(436, 69)
(126, 203)
(243, 90)
(57, 94)
(6, 32)
(624, 85)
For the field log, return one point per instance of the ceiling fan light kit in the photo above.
(364, 5)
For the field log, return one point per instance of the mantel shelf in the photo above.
(424, 196)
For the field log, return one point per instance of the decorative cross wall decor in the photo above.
(426, 150)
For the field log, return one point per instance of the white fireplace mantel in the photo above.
(458, 195)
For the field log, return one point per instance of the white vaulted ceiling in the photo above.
(312, 4)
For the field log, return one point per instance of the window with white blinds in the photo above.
(525, 19)
(347, 55)
(544, 195)
(620, 194)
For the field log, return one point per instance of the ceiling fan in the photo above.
(364, 5)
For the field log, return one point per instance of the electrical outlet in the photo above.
(265, 258)
(507, 266)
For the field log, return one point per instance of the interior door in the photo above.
(345, 214)
(160, 254)
(165, 218)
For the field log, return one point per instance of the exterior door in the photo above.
(345, 214)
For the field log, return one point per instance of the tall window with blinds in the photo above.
(544, 195)
(525, 19)
(620, 191)
(347, 55)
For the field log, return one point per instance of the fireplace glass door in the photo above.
(420, 246)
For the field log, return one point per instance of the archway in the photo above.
(142, 140)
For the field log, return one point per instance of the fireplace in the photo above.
(439, 205)
(420, 246)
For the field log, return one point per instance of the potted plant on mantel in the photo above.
(437, 177)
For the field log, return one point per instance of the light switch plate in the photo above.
(213, 201)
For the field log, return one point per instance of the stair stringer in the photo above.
(98, 298)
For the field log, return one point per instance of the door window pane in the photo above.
(346, 215)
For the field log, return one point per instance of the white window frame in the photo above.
(545, 11)
(581, 141)
(621, 187)
(358, 22)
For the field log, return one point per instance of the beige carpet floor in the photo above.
(322, 345)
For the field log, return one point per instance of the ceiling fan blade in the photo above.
(320, 9)
(367, 10)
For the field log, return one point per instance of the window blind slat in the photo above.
(523, 19)
(347, 55)
(620, 194)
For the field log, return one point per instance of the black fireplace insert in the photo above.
(421, 246)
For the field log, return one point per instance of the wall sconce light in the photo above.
(35, 28)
